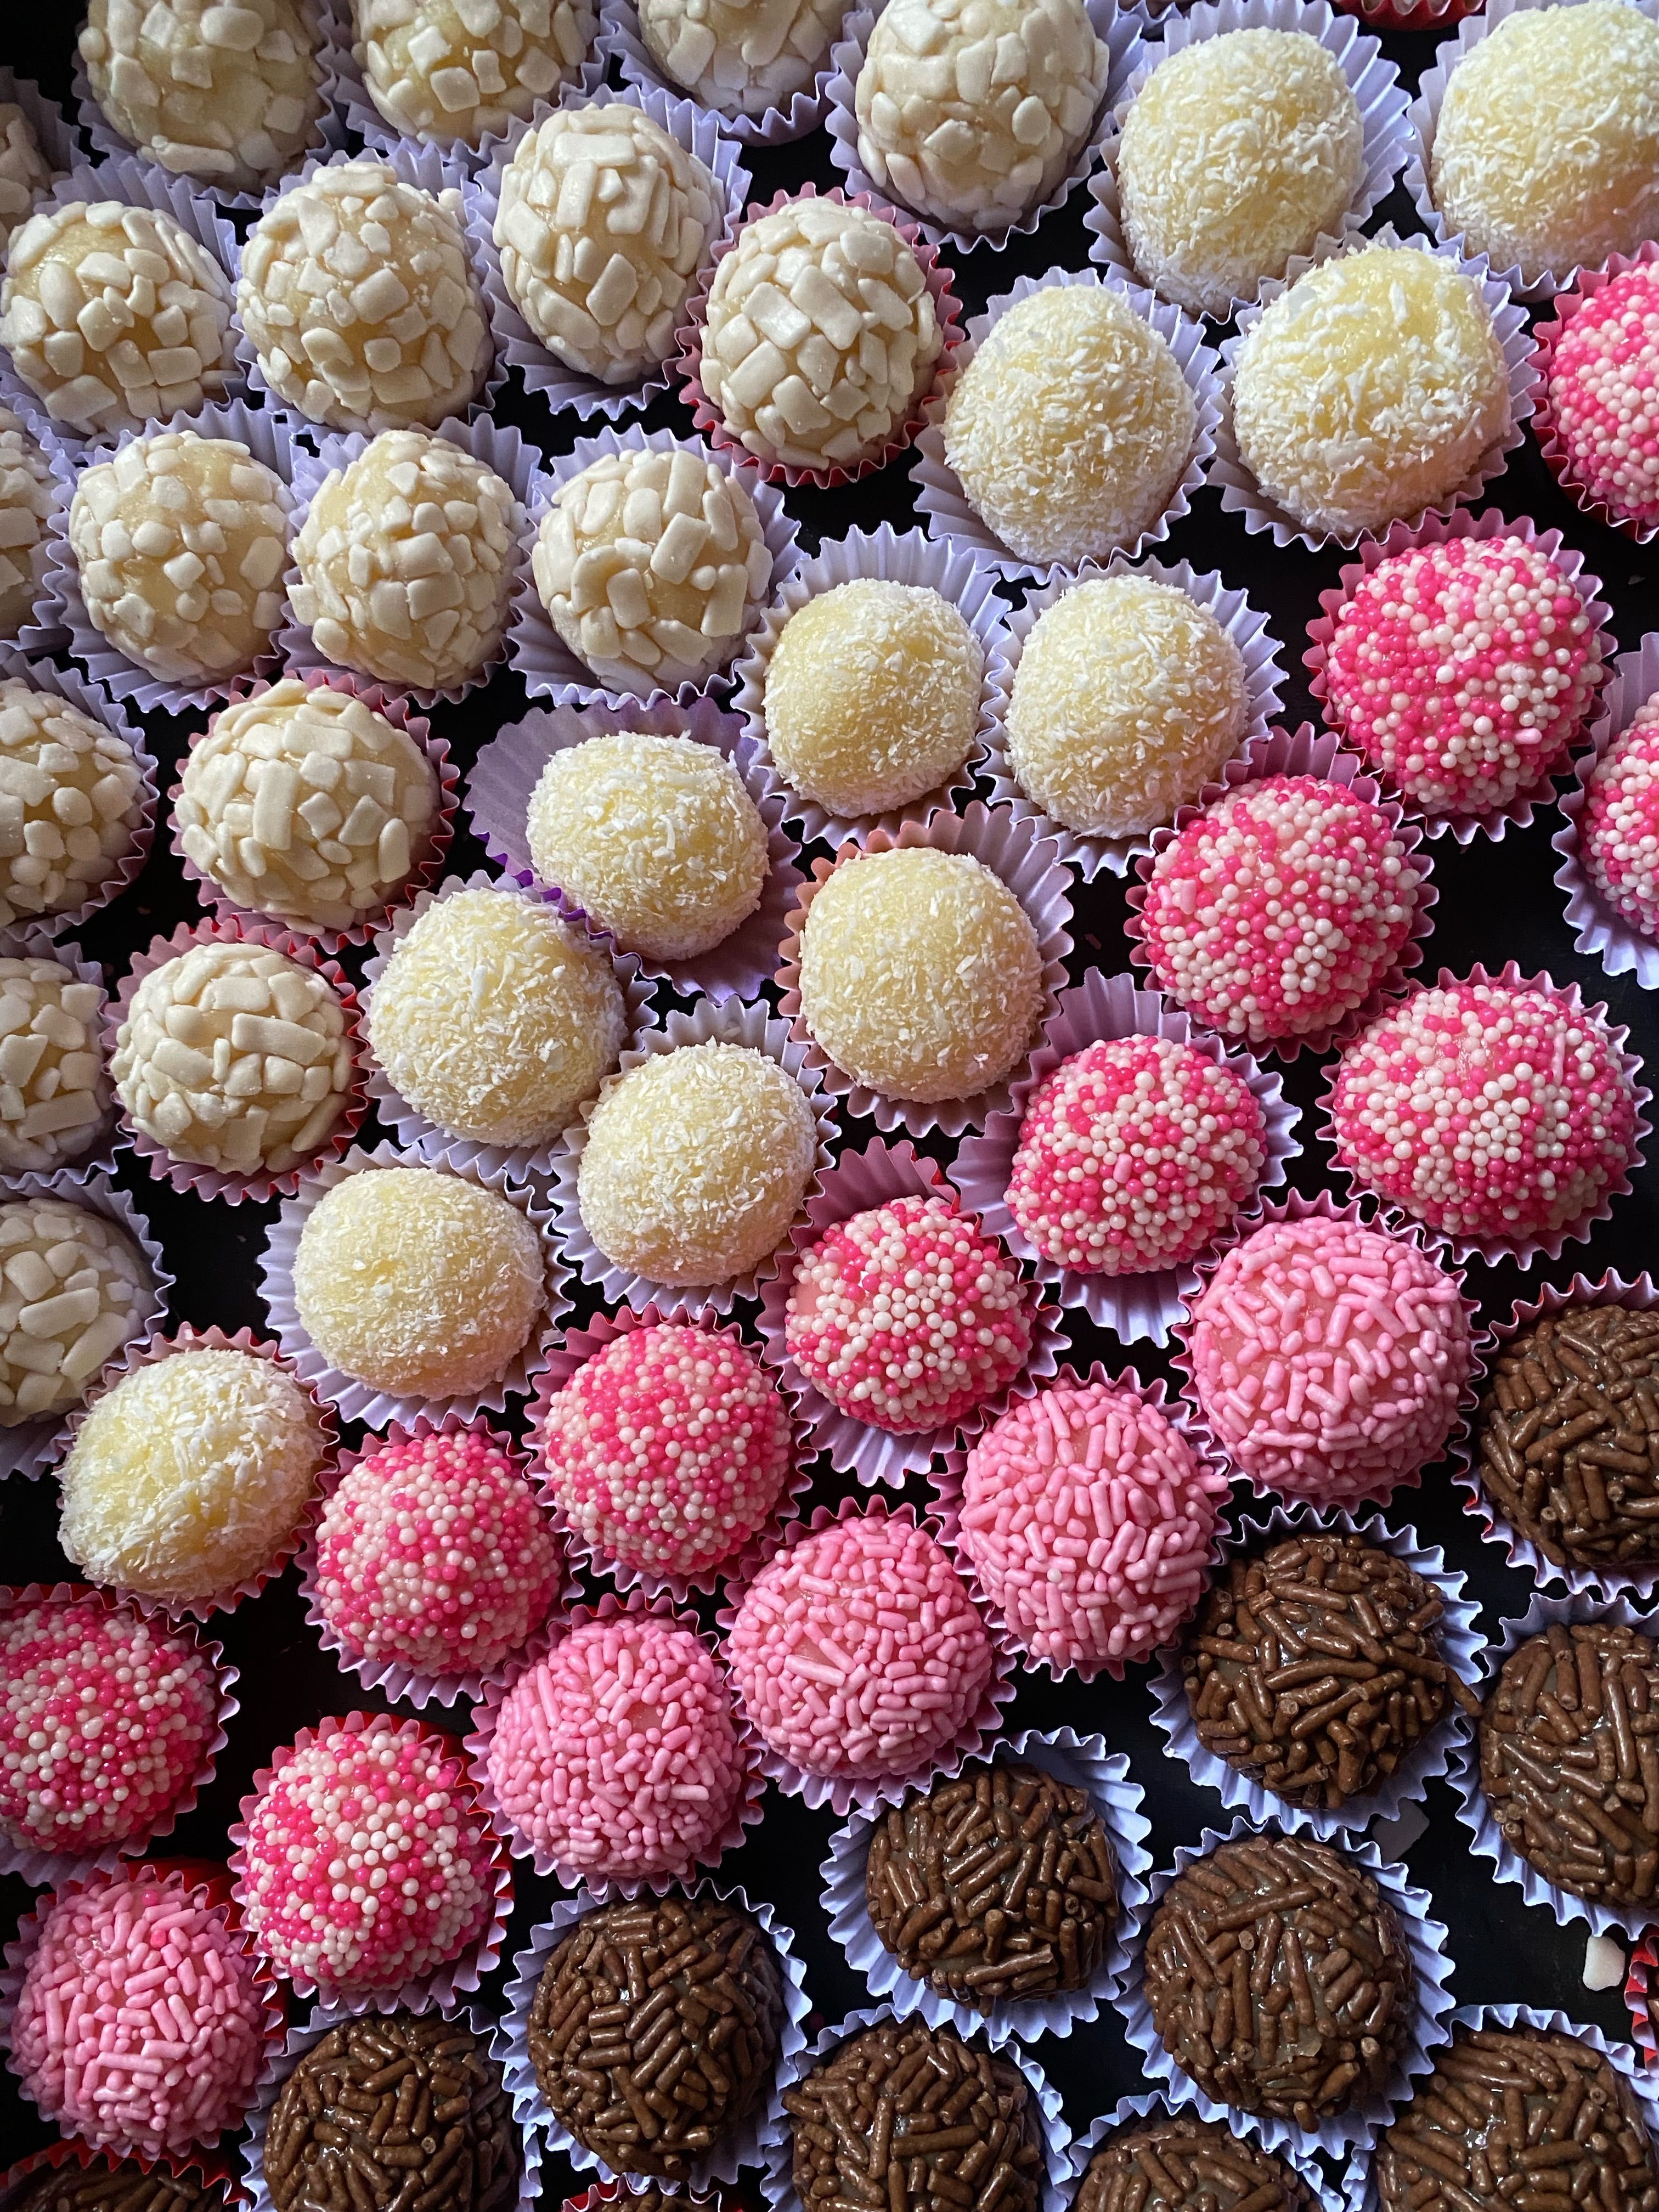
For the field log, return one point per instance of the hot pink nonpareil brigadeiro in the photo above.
(140, 2022)
(1603, 392)
(1280, 908)
(858, 1653)
(1619, 830)
(617, 1755)
(1489, 1110)
(1328, 1358)
(1088, 1517)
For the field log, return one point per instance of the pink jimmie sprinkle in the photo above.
(139, 2024)
(1604, 393)
(1462, 672)
(668, 1449)
(858, 1652)
(368, 1862)
(1088, 1518)
(1279, 909)
(1619, 835)
(105, 1721)
(1134, 1154)
(617, 1755)
(1487, 1109)
(908, 1316)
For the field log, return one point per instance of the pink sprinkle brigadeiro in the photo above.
(369, 1861)
(1604, 393)
(1619, 831)
(1134, 1154)
(908, 1316)
(1462, 672)
(668, 1449)
(1485, 1109)
(139, 2023)
(434, 1553)
(617, 1755)
(1328, 1358)
(1279, 910)
(105, 1720)
(858, 1653)
(1088, 1517)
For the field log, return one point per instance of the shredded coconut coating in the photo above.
(1370, 389)
(1070, 427)
(231, 94)
(872, 695)
(25, 173)
(1604, 393)
(920, 973)
(741, 56)
(455, 72)
(74, 1291)
(406, 562)
(602, 223)
(1238, 152)
(820, 334)
(417, 1282)
(1547, 151)
(971, 110)
(655, 837)
(72, 798)
(1128, 698)
(181, 542)
(1618, 833)
(495, 1018)
(189, 1474)
(1088, 1518)
(697, 1161)
(25, 504)
(53, 1091)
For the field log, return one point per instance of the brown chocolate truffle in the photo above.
(111, 2185)
(1176, 2162)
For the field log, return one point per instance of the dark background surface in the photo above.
(1497, 902)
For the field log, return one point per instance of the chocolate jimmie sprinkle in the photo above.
(1179, 2163)
(104, 2187)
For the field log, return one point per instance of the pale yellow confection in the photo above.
(697, 1161)
(820, 334)
(54, 1092)
(228, 91)
(1238, 152)
(1072, 426)
(114, 316)
(405, 562)
(455, 72)
(305, 803)
(418, 1283)
(25, 172)
(495, 1018)
(181, 542)
(1370, 389)
(1128, 698)
(73, 1289)
(357, 295)
(71, 799)
(1547, 152)
(189, 1474)
(741, 56)
(971, 111)
(25, 504)
(652, 565)
(655, 837)
(872, 695)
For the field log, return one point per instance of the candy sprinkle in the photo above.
(1604, 393)
(1619, 834)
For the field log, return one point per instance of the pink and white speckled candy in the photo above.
(1603, 392)
(1619, 832)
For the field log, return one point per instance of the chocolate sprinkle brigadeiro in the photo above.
(1280, 1980)
(1179, 2163)
(105, 2186)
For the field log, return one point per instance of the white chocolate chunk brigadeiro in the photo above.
(73, 1289)
(25, 172)
(454, 72)
(741, 56)
(25, 504)
(71, 799)
(54, 1094)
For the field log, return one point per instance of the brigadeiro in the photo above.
(1601, 393)
(1619, 830)
(1176, 2163)
(129, 2185)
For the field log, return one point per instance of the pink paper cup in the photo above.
(1641, 1981)
(1600, 930)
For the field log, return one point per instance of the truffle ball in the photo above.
(602, 287)
(102, 363)
(25, 174)
(1619, 830)
(189, 1474)
(1370, 389)
(1176, 2163)
(53, 1091)
(920, 973)
(1128, 697)
(356, 296)
(25, 505)
(1239, 151)
(495, 1018)
(73, 1289)
(1072, 426)
(971, 113)
(71, 800)
(181, 542)
(872, 695)
(741, 56)
(452, 73)
(418, 1282)
(1602, 388)
(406, 561)
(76, 2188)
(695, 1164)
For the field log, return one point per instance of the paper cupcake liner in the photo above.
(1084, 1763)
(747, 2145)
(1547, 335)
(43, 631)
(946, 511)
(1030, 866)
(203, 2167)
(730, 1021)
(1326, 2195)
(620, 35)
(1641, 1980)
(1241, 495)
(98, 1152)
(1599, 930)
(509, 766)
(1099, 1008)
(549, 669)
(357, 1400)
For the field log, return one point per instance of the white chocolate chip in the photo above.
(54, 1098)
